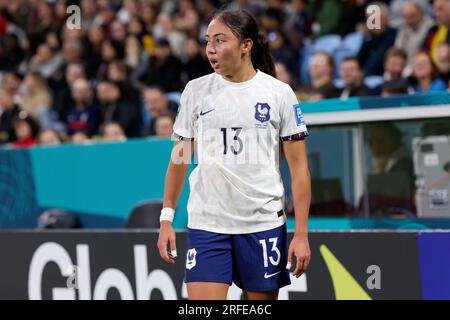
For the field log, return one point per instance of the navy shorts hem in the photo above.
(207, 280)
(266, 289)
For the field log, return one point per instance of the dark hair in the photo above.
(395, 52)
(23, 116)
(328, 56)
(352, 59)
(395, 87)
(394, 134)
(244, 26)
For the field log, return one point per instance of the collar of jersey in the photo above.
(243, 84)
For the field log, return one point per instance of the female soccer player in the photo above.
(237, 117)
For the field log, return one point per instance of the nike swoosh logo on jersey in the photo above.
(203, 113)
(267, 276)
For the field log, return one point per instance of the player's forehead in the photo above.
(217, 28)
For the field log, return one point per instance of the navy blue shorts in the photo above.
(254, 261)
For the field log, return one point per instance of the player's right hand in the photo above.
(167, 237)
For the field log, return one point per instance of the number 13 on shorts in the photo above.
(274, 255)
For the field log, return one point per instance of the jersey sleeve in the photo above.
(183, 128)
(292, 126)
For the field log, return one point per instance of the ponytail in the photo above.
(261, 56)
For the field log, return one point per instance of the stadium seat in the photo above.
(353, 42)
(145, 215)
(328, 43)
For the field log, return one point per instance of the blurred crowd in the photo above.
(120, 75)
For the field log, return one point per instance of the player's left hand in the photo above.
(299, 248)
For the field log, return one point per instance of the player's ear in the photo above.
(246, 46)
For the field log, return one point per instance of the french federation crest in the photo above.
(190, 258)
(262, 112)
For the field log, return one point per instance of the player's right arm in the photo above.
(175, 176)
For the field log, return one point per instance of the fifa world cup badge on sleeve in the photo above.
(298, 115)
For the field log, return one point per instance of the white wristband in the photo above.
(167, 214)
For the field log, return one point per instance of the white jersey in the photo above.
(236, 187)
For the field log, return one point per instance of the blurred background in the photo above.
(86, 113)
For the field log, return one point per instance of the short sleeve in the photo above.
(183, 128)
(292, 126)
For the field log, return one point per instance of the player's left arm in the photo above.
(295, 152)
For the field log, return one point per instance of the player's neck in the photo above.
(247, 72)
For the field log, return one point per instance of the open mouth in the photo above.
(214, 63)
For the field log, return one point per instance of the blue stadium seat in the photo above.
(328, 43)
(353, 42)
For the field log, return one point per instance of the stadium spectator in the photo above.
(255, 7)
(394, 64)
(8, 111)
(352, 75)
(72, 51)
(85, 112)
(117, 44)
(92, 53)
(272, 18)
(439, 33)
(164, 29)
(37, 99)
(136, 28)
(296, 28)
(118, 31)
(79, 137)
(156, 103)
(163, 69)
(283, 73)
(111, 50)
(12, 83)
(133, 52)
(282, 51)
(321, 69)
(425, 77)
(62, 96)
(49, 137)
(412, 32)
(118, 72)
(130, 8)
(88, 13)
(11, 53)
(186, 18)
(115, 107)
(396, 8)
(26, 129)
(376, 43)
(113, 132)
(46, 61)
(195, 64)
(164, 124)
(390, 161)
(394, 68)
